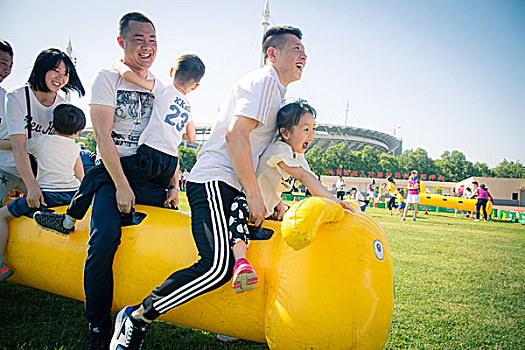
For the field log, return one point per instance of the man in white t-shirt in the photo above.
(6, 63)
(225, 166)
(119, 112)
(340, 185)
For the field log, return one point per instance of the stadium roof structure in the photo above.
(327, 135)
(356, 139)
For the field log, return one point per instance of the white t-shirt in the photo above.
(258, 95)
(273, 180)
(15, 123)
(359, 198)
(57, 156)
(133, 107)
(340, 184)
(171, 114)
(185, 175)
(2, 103)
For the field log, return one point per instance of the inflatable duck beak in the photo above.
(302, 221)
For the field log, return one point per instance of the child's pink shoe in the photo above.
(244, 276)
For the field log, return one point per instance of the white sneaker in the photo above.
(129, 334)
(226, 338)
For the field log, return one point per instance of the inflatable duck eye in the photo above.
(378, 249)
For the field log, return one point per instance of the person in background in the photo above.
(392, 192)
(340, 185)
(490, 199)
(401, 201)
(483, 198)
(371, 192)
(185, 175)
(359, 198)
(413, 194)
(382, 192)
(466, 194)
(6, 63)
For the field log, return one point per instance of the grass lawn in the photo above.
(459, 284)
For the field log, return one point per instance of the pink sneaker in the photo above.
(244, 277)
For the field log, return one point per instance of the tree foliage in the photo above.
(187, 158)
(509, 169)
(453, 165)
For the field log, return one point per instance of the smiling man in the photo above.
(226, 165)
(119, 112)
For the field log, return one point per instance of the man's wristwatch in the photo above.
(171, 187)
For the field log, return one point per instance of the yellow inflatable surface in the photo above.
(334, 292)
(451, 202)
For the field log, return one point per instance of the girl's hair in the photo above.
(50, 59)
(391, 180)
(290, 114)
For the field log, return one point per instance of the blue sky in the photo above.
(450, 74)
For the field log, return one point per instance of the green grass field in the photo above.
(459, 284)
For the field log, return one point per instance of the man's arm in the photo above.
(172, 196)
(102, 119)
(34, 195)
(240, 151)
(5, 144)
(190, 135)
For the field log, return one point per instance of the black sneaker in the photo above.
(98, 340)
(52, 222)
(129, 331)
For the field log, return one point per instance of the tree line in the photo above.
(338, 159)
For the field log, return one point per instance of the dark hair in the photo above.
(353, 188)
(483, 187)
(50, 59)
(289, 115)
(188, 70)
(123, 24)
(274, 37)
(68, 119)
(475, 183)
(468, 189)
(391, 180)
(5, 47)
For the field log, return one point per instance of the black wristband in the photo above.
(171, 187)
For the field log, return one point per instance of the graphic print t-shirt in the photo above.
(133, 107)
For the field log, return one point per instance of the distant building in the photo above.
(327, 135)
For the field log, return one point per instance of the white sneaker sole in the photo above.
(119, 323)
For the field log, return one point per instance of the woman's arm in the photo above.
(125, 72)
(34, 195)
(311, 182)
(79, 169)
